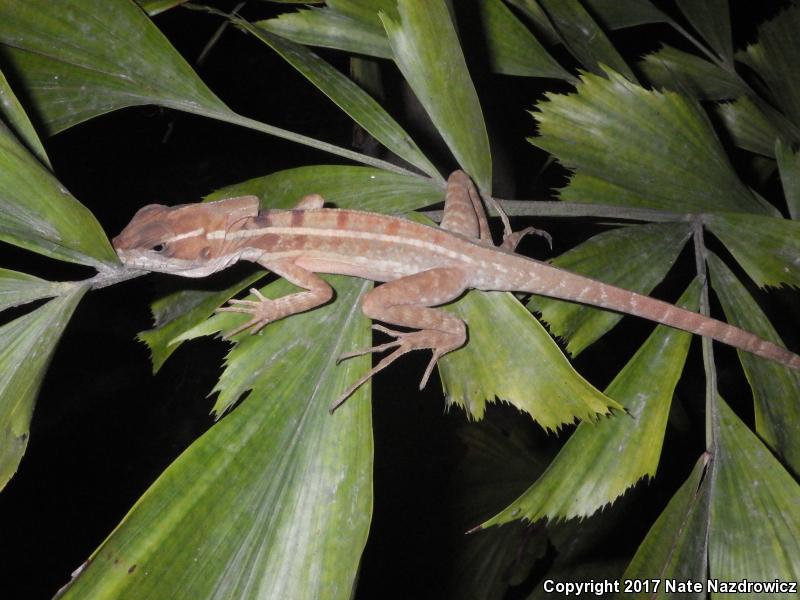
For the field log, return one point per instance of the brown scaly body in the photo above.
(421, 267)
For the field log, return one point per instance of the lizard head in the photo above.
(190, 240)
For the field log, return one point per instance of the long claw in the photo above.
(259, 295)
(380, 348)
(511, 240)
(404, 342)
(237, 308)
(385, 362)
(256, 308)
(387, 331)
(251, 323)
(429, 369)
(364, 351)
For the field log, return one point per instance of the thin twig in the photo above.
(700, 253)
(109, 277)
(542, 208)
(237, 119)
(217, 35)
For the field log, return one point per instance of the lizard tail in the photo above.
(589, 291)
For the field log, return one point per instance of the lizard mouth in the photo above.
(174, 266)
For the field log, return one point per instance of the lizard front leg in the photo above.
(406, 302)
(265, 310)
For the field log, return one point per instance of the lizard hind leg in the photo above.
(406, 302)
(464, 214)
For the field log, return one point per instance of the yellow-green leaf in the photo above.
(682, 72)
(26, 345)
(362, 188)
(748, 127)
(155, 7)
(179, 312)
(38, 213)
(512, 49)
(584, 38)
(275, 500)
(365, 10)
(635, 258)
(789, 167)
(349, 97)
(19, 288)
(636, 147)
(675, 547)
(82, 58)
(767, 248)
(77, 59)
(19, 122)
(776, 389)
(601, 460)
(331, 29)
(755, 516)
(428, 53)
(510, 356)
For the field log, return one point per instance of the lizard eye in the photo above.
(159, 247)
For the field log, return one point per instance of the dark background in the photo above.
(104, 428)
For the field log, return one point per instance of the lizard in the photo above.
(420, 267)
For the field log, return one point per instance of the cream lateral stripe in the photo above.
(254, 254)
(340, 233)
(188, 234)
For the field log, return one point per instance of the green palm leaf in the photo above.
(26, 346)
(748, 127)
(348, 96)
(774, 57)
(584, 38)
(754, 529)
(20, 288)
(601, 460)
(275, 500)
(89, 57)
(512, 49)
(18, 121)
(427, 51)
(767, 248)
(676, 546)
(361, 188)
(679, 71)
(518, 363)
(177, 313)
(673, 160)
(789, 167)
(635, 258)
(37, 213)
(327, 28)
(776, 389)
(712, 19)
(737, 511)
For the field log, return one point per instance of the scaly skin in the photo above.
(421, 267)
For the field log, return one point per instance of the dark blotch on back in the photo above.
(264, 219)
